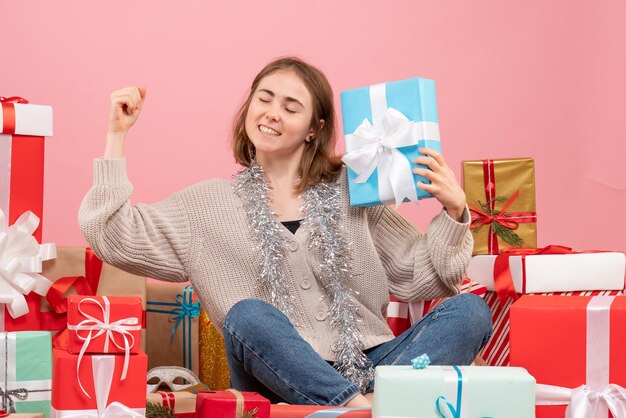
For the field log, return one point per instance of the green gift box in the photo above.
(26, 372)
(457, 391)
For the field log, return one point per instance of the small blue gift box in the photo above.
(384, 126)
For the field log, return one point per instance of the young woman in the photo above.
(297, 280)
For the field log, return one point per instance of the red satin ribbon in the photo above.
(510, 220)
(502, 278)
(169, 400)
(86, 285)
(8, 113)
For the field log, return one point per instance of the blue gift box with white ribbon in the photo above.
(384, 126)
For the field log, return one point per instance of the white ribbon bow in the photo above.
(96, 327)
(583, 402)
(374, 147)
(103, 368)
(21, 258)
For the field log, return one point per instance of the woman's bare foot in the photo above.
(359, 401)
(370, 397)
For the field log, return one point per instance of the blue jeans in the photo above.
(266, 354)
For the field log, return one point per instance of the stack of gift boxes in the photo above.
(547, 351)
(557, 313)
(98, 367)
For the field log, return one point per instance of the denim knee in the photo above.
(476, 316)
(246, 316)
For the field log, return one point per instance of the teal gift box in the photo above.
(26, 371)
(384, 126)
(453, 391)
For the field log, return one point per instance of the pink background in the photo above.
(514, 79)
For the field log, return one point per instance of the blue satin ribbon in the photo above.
(335, 412)
(456, 412)
(183, 311)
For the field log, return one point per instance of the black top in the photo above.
(292, 226)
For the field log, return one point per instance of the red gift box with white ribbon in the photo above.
(23, 127)
(96, 386)
(104, 324)
(575, 346)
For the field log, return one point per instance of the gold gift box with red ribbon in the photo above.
(501, 197)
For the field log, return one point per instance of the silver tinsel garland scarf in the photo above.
(322, 216)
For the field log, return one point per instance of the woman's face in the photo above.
(279, 116)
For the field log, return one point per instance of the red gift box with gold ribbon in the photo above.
(23, 127)
(231, 403)
(501, 197)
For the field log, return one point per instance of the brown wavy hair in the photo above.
(319, 163)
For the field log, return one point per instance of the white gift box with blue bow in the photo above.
(384, 126)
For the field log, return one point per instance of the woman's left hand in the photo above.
(443, 185)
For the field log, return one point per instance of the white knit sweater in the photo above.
(201, 234)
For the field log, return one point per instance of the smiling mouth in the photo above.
(268, 131)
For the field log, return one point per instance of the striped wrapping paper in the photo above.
(496, 352)
(401, 315)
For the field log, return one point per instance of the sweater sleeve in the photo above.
(148, 240)
(423, 266)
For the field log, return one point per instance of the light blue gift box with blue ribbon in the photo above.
(453, 392)
(384, 126)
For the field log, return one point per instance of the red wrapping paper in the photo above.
(303, 411)
(549, 339)
(67, 394)
(496, 351)
(21, 185)
(222, 404)
(120, 308)
(26, 193)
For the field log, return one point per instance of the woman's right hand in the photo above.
(126, 105)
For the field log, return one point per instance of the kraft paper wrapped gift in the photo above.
(183, 404)
(26, 371)
(228, 403)
(384, 126)
(457, 391)
(23, 127)
(95, 384)
(104, 324)
(501, 196)
(77, 270)
(213, 365)
(172, 321)
(562, 272)
(570, 342)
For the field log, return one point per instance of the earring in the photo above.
(310, 138)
